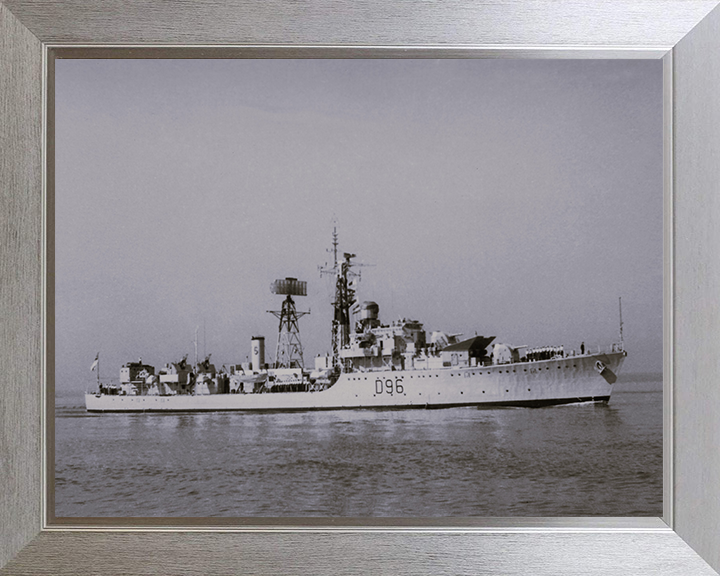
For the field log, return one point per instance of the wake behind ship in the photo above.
(372, 365)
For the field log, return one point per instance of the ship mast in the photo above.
(621, 322)
(343, 301)
(334, 271)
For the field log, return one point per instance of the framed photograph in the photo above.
(505, 186)
(54, 78)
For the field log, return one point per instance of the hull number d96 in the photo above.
(389, 386)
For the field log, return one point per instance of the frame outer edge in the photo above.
(20, 281)
(402, 554)
(20, 284)
(374, 22)
(696, 109)
(668, 290)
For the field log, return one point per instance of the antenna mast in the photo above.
(335, 245)
(196, 356)
(289, 352)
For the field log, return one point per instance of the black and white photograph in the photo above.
(358, 288)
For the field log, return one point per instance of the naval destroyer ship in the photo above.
(372, 366)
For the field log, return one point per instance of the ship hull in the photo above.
(574, 379)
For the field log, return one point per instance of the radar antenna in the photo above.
(289, 353)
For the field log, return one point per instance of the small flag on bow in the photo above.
(95, 363)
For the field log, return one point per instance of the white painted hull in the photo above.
(559, 381)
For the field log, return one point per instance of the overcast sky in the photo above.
(516, 199)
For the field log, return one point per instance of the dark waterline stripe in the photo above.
(516, 404)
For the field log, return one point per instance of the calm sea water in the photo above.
(572, 460)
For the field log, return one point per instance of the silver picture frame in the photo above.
(685, 34)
